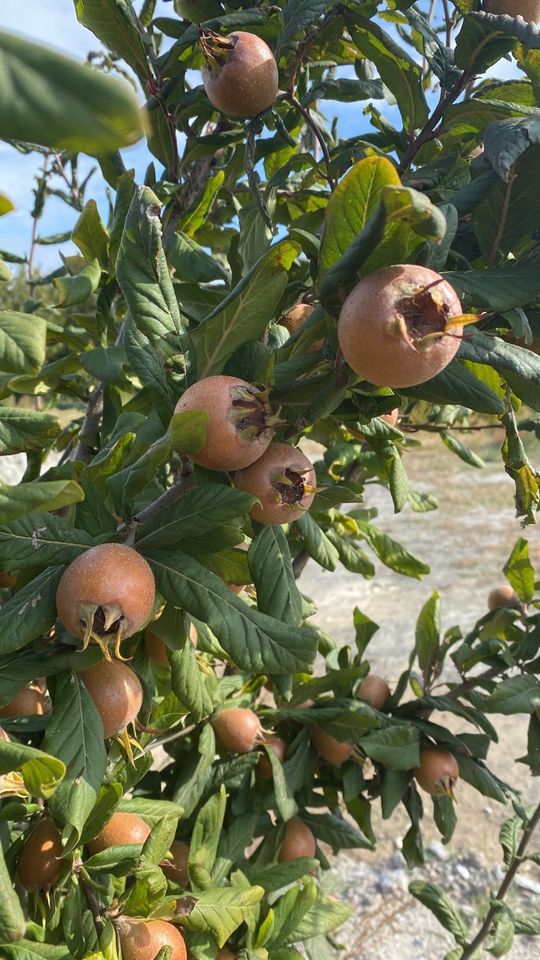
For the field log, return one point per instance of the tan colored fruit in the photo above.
(283, 480)
(117, 693)
(143, 939)
(225, 954)
(278, 746)
(374, 690)
(298, 841)
(333, 751)
(241, 76)
(122, 828)
(7, 580)
(503, 596)
(31, 701)
(385, 318)
(528, 9)
(176, 868)
(40, 862)
(392, 417)
(237, 729)
(296, 316)
(438, 771)
(106, 594)
(239, 421)
(156, 648)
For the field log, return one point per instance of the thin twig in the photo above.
(168, 498)
(92, 901)
(329, 18)
(443, 427)
(94, 411)
(472, 947)
(502, 222)
(313, 126)
(463, 688)
(449, 23)
(253, 178)
(428, 132)
(176, 735)
(35, 221)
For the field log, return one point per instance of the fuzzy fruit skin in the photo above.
(528, 9)
(7, 580)
(224, 448)
(367, 333)
(156, 648)
(177, 867)
(392, 417)
(40, 863)
(248, 83)
(503, 596)
(436, 767)
(374, 690)
(143, 939)
(296, 316)
(333, 751)
(237, 729)
(109, 574)
(117, 693)
(258, 480)
(121, 828)
(31, 701)
(278, 746)
(298, 842)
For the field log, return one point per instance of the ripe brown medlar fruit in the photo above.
(333, 751)
(283, 480)
(121, 829)
(298, 841)
(117, 694)
(225, 954)
(106, 594)
(176, 868)
(143, 939)
(241, 74)
(438, 772)
(240, 421)
(237, 729)
(31, 701)
(374, 690)
(503, 596)
(278, 746)
(40, 861)
(395, 326)
(528, 9)
(296, 316)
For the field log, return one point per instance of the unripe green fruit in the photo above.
(241, 76)
(298, 841)
(121, 829)
(385, 319)
(143, 939)
(283, 480)
(40, 862)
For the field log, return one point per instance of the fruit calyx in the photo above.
(251, 413)
(216, 49)
(420, 313)
(101, 623)
(290, 487)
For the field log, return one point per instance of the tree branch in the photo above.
(168, 498)
(92, 901)
(317, 133)
(428, 132)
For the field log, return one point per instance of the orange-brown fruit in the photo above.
(296, 316)
(31, 701)
(503, 596)
(106, 594)
(176, 868)
(278, 746)
(239, 421)
(7, 580)
(143, 939)
(330, 749)
(392, 417)
(298, 841)
(241, 74)
(528, 9)
(283, 480)
(374, 690)
(438, 771)
(225, 954)
(40, 862)
(117, 693)
(385, 318)
(156, 648)
(122, 828)
(237, 729)
(4, 735)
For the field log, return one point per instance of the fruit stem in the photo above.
(91, 899)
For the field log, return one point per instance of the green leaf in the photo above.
(276, 876)
(325, 914)
(49, 99)
(42, 495)
(40, 539)
(461, 451)
(270, 564)
(191, 262)
(432, 896)
(91, 236)
(484, 39)
(396, 747)
(188, 683)
(298, 15)
(510, 211)
(196, 514)
(75, 736)
(391, 553)
(339, 833)
(31, 612)
(401, 74)
(221, 910)
(42, 774)
(78, 288)
(247, 310)
(255, 642)
(12, 919)
(113, 23)
(285, 802)
(365, 629)
(519, 571)
(503, 934)
(514, 695)
(30, 950)
(497, 288)
(6, 205)
(505, 141)
(205, 839)
(316, 543)
(22, 342)
(22, 431)
(428, 632)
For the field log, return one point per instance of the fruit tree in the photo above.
(237, 345)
